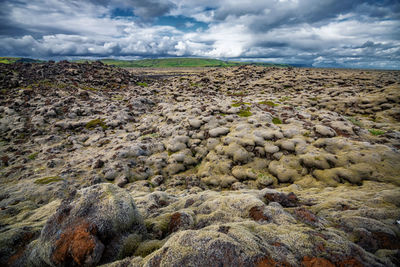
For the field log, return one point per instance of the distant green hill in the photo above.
(9, 60)
(155, 63)
(179, 62)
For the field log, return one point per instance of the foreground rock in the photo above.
(89, 229)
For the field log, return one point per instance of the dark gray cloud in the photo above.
(320, 33)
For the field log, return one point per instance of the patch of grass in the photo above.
(313, 98)
(48, 180)
(306, 134)
(238, 104)
(221, 114)
(355, 121)
(376, 132)
(147, 247)
(276, 120)
(95, 123)
(268, 103)
(245, 112)
(33, 156)
(143, 84)
(88, 88)
(285, 98)
(117, 98)
(148, 136)
(194, 84)
(178, 62)
(9, 60)
(238, 94)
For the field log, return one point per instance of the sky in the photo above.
(319, 33)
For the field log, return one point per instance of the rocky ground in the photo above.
(242, 166)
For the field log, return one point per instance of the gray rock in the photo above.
(270, 148)
(218, 131)
(195, 123)
(324, 131)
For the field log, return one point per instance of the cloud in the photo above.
(320, 33)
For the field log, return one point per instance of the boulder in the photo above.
(88, 229)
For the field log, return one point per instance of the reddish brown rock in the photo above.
(257, 214)
(316, 262)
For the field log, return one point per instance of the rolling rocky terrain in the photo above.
(239, 166)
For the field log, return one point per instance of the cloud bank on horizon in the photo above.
(322, 33)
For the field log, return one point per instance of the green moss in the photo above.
(117, 98)
(268, 103)
(170, 153)
(238, 94)
(285, 98)
(313, 98)
(147, 247)
(306, 134)
(276, 121)
(131, 243)
(33, 156)
(48, 180)
(95, 123)
(194, 84)
(143, 84)
(376, 132)
(149, 136)
(88, 88)
(245, 112)
(238, 104)
(355, 121)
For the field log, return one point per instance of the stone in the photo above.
(218, 131)
(324, 131)
(270, 148)
(89, 228)
(195, 123)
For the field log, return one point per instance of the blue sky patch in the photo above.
(181, 23)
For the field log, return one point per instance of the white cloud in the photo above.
(292, 31)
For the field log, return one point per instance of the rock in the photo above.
(98, 164)
(88, 229)
(110, 174)
(218, 131)
(180, 221)
(324, 131)
(270, 148)
(286, 200)
(243, 173)
(195, 123)
(237, 153)
(157, 180)
(286, 169)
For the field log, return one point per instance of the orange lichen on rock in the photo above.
(174, 223)
(77, 242)
(306, 215)
(350, 263)
(269, 262)
(257, 214)
(316, 262)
